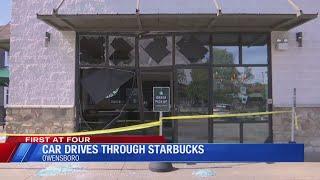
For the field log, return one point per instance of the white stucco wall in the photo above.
(298, 67)
(40, 75)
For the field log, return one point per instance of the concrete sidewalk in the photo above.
(132, 171)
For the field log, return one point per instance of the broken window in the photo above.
(155, 51)
(192, 49)
(92, 50)
(121, 51)
(108, 98)
(103, 83)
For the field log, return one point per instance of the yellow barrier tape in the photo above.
(222, 115)
(151, 124)
(105, 131)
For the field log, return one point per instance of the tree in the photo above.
(224, 80)
(197, 90)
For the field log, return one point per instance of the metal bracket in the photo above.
(138, 15)
(219, 12)
(296, 8)
(55, 13)
(55, 10)
(218, 7)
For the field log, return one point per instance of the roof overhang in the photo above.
(176, 22)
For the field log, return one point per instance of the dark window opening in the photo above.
(121, 51)
(155, 51)
(192, 49)
(92, 50)
(117, 104)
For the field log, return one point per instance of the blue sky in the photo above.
(5, 11)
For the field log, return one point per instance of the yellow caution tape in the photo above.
(222, 115)
(105, 131)
(150, 124)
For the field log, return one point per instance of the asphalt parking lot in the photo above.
(132, 171)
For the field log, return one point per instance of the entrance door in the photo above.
(151, 79)
(192, 98)
(240, 90)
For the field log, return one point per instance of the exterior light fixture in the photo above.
(47, 39)
(282, 44)
(299, 38)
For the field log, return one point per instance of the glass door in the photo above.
(151, 79)
(192, 99)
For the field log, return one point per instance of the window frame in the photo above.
(174, 67)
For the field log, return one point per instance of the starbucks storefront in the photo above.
(213, 63)
(206, 72)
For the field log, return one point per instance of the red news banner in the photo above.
(9, 147)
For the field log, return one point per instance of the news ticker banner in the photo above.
(10, 144)
(97, 149)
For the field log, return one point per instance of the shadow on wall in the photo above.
(311, 156)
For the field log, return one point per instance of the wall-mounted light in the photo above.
(299, 38)
(47, 39)
(282, 44)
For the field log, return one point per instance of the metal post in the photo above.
(293, 115)
(241, 131)
(160, 166)
(161, 123)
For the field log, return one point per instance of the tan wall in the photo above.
(40, 120)
(308, 131)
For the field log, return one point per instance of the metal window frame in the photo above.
(173, 68)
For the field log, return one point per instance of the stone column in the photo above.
(40, 120)
(308, 131)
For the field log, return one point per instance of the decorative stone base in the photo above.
(308, 131)
(40, 120)
(2, 115)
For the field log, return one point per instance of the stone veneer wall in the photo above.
(308, 132)
(40, 120)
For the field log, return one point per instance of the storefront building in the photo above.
(93, 65)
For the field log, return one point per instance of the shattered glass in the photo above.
(157, 49)
(121, 51)
(192, 48)
(102, 83)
